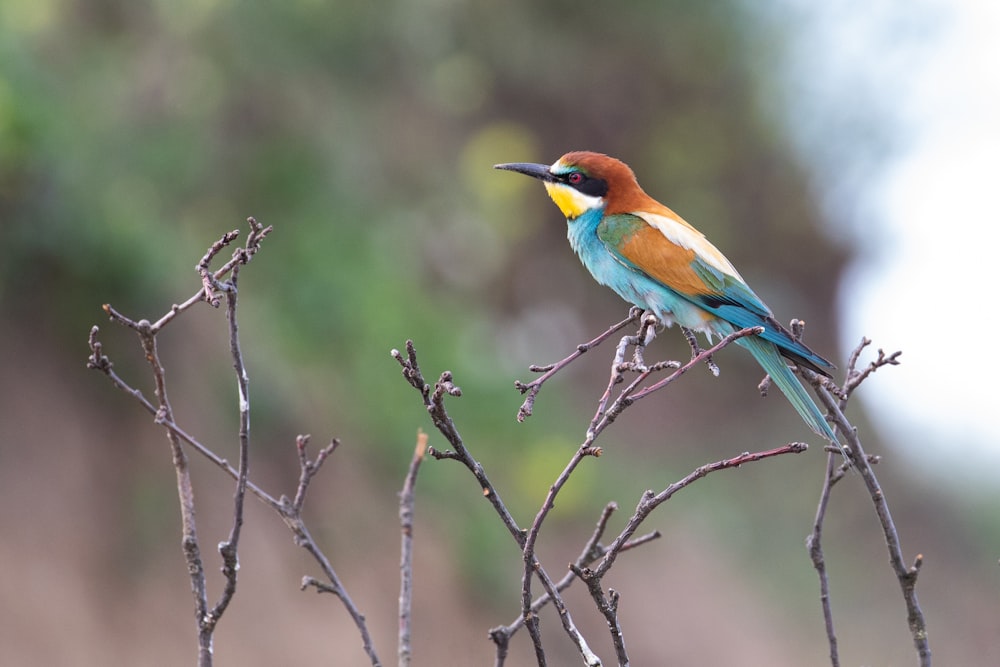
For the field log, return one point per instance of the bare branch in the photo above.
(406, 504)
(434, 402)
(289, 510)
(814, 545)
(631, 379)
(229, 550)
(591, 551)
(604, 417)
(608, 607)
(101, 363)
(185, 494)
(702, 356)
(835, 400)
(291, 514)
(532, 388)
(307, 468)
(907, 575)
(651, 501)
(163, 414)
(647, 329)
(856, 377)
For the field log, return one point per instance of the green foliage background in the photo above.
(133, 134)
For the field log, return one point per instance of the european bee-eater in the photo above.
(654, 259)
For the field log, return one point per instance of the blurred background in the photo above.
(832, 152)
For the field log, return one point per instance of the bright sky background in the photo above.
(929, 217)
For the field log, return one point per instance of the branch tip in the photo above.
(421, 449)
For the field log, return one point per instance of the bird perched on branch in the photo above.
(654, 259)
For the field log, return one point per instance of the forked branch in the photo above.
(835, 399)
(222, 281)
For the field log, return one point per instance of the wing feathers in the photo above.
(676, 230)
(669, 263)
(681, 259)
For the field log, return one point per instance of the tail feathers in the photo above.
(767, 355)
(741, 317)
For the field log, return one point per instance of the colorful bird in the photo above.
(651, 257)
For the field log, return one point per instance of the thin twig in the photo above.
(289, 510)
(835, 400)
(434, 402)
(530, 561)
(292, 515)
(645, 334)
(163, 414)
(185, 494)
(604, 417)
(702, 356)
(591, 551)
(307, 468)
(229, 550)
(650, 501)
(907, 575)
(98, 361)
(856, 377)
(407, 500)
(532, 388)
(815, 547)
(835, 473)
(608, 605)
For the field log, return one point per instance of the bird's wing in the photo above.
(669, 250)
(681, 258)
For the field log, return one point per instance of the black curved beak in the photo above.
(539, 171)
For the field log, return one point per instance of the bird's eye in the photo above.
(575, 178)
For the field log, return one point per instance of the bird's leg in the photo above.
(645, 336)
(697, 349)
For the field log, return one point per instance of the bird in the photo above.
(657, 261)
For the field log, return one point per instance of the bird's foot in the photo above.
(645, 336)
(697, 349)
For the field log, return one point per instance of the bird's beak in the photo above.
(539, 171)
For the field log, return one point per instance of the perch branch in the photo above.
(532, 388)
(434, 402)
(608, 605)
(650, 501)
(604, 417)
(591, 551)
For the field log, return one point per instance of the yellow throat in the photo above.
(570, 201)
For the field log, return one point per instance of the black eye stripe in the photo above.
(593, 187)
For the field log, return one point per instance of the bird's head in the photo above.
(582, 181)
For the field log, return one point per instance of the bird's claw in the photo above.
(696, 349)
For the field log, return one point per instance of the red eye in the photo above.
(575, 178)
